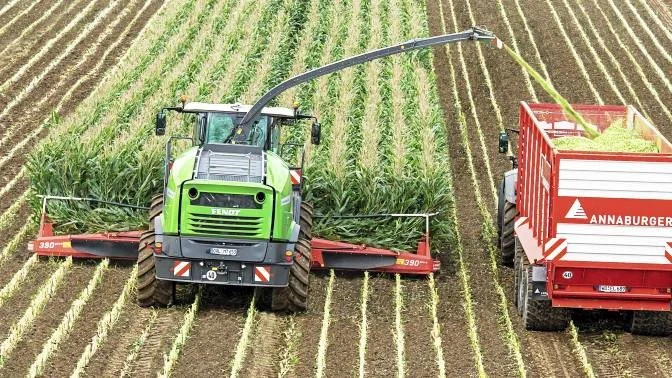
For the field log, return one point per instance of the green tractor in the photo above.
(231, 211)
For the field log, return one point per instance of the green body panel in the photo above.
(229, 223)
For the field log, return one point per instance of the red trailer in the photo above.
(588, 230)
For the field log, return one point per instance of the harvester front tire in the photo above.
(152, 292)
(506, 236)
(651, 323)
(539, 315)
(294, 297)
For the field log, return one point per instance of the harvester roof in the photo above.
(238, 108)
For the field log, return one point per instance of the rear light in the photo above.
(157, 247)
(288, 256)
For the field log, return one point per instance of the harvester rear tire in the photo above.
(506, 236)
(651, 323)
(152, 292)
(540, 315)
(294, 297)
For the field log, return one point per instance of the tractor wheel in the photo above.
(294, 297)
(519, 255)
(651, 323)
(539, 315)
(151, 291)
(506, 236)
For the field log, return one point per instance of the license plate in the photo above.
(224, 251)
(611, 289)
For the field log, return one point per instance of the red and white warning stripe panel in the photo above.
(295, 176)
(181, 268)
(668, 251)
(555, 248)
(262, 273)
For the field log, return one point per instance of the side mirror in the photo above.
(503, 142)
(315, 133)
(160, 128)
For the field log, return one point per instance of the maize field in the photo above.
(82, 80)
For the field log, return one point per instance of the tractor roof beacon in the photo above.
(231, 212)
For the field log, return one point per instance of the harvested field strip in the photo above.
(241, 346)
(307, 329)
(640, 71)
(381, 346)
(45, 48)
(647, 29)
(576, 56)
(532, 40)
(345, 314)
(100, 17)
(399, 335)
(596, 58)
(654, 16)
(24, 12)
(507, 333)
(105, 324)
(262, 358)
(11, 183)
(17, 241)
(28, 28)
(17, 279)
(638, 42)
(8, 6)
(37, 368)
(9, 215)
(321, 359)
(138, 345)
(181, 338)
(436, 327)
(514, 43)
(288, 357)
(67, 97)
(36, 306)
(223, 311)
(363, 325)
(612, 58)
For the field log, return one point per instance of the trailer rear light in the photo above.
(665, 290)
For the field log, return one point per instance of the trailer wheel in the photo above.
(152, 292)
(294, 297)
(651, 323)
(506, 236)
(518, 257)
(539, 315)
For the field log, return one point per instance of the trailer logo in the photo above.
(262, 274)
(181, 268)
(576, 211)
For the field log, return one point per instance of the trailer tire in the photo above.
(540, 315)
(651, 323)
(294, 297)
(506, 235)
(152, 292)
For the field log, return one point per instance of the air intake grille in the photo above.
(223, 166)
(225, 225)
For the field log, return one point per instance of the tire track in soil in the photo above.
(212, 340)
(136, 320)
(420, 353)
(308, 326)
(27, 350)
(150, 360)
(65, 359)
(14, 307)
(545, 354)
(381, 345)
(262, 354)
(343, 353)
